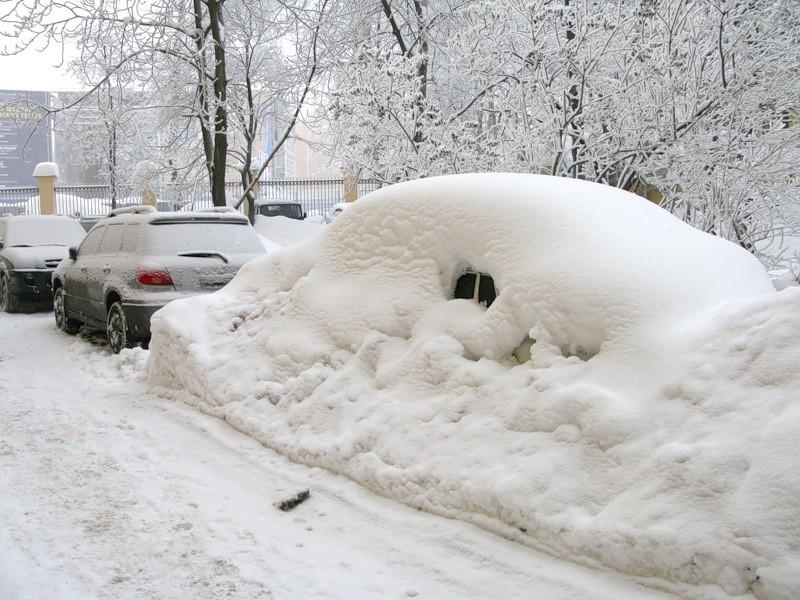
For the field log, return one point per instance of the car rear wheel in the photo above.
(117, 329)
(63, 322)
(8, 301)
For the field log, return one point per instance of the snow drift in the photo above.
(653, 430)
(278, 232)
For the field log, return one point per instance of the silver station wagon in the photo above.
(136, 260)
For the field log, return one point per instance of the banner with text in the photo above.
(24, 135)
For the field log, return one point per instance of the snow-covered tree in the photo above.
(177, 52)
(273, 61)
(683, 99)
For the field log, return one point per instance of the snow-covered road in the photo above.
(107, 491)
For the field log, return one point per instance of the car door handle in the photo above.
(106, 269)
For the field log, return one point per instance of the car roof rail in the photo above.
(219, 209)
(142, 209)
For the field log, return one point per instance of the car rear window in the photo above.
(294, 211)
(476, 286)
(165, 237)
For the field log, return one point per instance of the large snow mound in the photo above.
(653, 430)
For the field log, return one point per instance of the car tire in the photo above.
(8, 301)
(63, 322)
(117, 329)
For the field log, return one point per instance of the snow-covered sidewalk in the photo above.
(109, 492)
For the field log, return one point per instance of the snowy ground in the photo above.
(107, 491)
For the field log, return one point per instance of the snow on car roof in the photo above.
(36, 218)
(653, 429)
(173, 217)
(36, 230)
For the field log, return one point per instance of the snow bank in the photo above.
(279, 232)
(653, 430)
(69, 205)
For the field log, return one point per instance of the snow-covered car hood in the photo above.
(34, 257)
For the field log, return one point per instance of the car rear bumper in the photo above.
(32, 284)
(138, 318)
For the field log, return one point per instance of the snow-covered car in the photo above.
(30, 249)
(651, 425)
(136, 260)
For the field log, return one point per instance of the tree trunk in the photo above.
(220, 155)
(202, 99)
(421, 102)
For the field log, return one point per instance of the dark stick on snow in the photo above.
(290, 503)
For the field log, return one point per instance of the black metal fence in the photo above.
(93, 200)
(365, 186)
(73, 201)
(19, 200)
(317, 196)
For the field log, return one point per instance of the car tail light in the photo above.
(153, 276)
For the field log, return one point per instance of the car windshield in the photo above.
(44, 232)
(195, 236)
(293, 211)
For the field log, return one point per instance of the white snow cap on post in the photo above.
(46, 169)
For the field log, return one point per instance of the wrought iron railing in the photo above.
(93, 200)
(365, 186)
(19, 200)
(316, 196)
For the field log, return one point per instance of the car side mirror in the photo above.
(305, 215)
(73, 253)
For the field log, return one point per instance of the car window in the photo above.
(293, 211)
(112, 240)
(91, 243)
(173, 237)
(476, 286)
(130, 237)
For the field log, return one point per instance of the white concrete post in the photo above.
(46, 174)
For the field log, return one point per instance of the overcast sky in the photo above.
(35, 71)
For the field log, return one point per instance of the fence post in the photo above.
(254, 191)
(148, 197)
(46, 174)
(350, 184)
